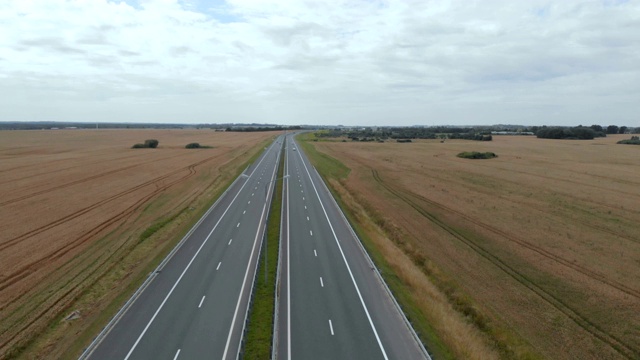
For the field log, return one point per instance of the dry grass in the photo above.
(538, 248)
(74, 205)
(462, 339)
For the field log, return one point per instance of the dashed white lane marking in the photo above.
(256, 188)
(201, 301)
(301, 191)
(321, 283)
(238, 225)
(244, 212)
(315, 253)
(218, 267)
(303, 199)
(310, 232)
(230, 240)
(177, 354)
(249, 202)
(331, 326)
(307, 218)
(305, 206)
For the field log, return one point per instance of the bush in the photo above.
(152, 143)
(403, 140)
(197, 146)
(635, 140)
(477, 155)
(148, 144)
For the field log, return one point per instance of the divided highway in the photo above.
(195, 304)
(332, 302)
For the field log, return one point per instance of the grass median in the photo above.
(260, 329)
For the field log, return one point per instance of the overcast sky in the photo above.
(321, 62)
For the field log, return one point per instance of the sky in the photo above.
(326, 62)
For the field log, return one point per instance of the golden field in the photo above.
(73, 207)
(534, 254)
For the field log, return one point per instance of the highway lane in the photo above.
(194, 306)
(332, 302)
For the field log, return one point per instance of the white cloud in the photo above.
(348, 62)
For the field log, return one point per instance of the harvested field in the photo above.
(73, 206)
(542, 243)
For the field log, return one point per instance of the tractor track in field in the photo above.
(573, 182)
(32, 266)
(17, 239)
(537, 208)
(30, 165)
(61, 301)
(88, 160)
(76, 182)
(595, 330)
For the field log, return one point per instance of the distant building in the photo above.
(512, 133)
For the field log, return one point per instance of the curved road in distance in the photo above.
(332, 302)
(195, 304)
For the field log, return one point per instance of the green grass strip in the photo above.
(159, 225)
(260, 329)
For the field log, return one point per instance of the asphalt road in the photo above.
(195, 305)
(332, 302)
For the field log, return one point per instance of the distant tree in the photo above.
(583, 133)
(596, 128)
(612, 129)
(579, 132)
(622, 130)
(192, 146)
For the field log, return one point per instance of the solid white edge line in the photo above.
(177, 354)
(288, 272)
(246, 274)
(201, 301)
(364, 306)
(189, 265)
